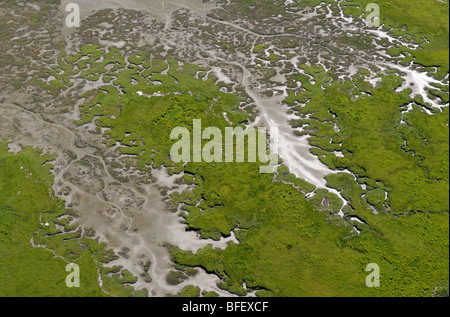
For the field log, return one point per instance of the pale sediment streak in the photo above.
(294, 150)
(418, 82)
(380, 33)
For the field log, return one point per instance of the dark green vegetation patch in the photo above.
(35, 252)
(289, 246)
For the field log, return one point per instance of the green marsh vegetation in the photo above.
(373, 143)
(27, 205)
(288, 245)
(420, 21)
(424, 22)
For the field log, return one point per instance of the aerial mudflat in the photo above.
(224, 148)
